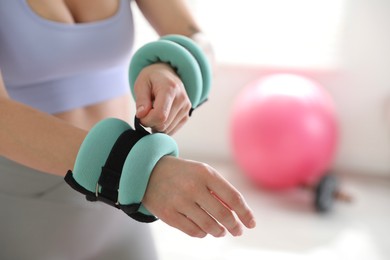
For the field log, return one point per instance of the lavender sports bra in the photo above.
(56, 67)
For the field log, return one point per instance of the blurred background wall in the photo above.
(342, 44)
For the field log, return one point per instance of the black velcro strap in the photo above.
(112, 170)
(108, 183)
(139, 128)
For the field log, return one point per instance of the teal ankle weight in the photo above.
(95, 150)
(184, 56)
(201, 59)
(114, 164)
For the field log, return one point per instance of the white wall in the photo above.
(344, 45)
(365, 54)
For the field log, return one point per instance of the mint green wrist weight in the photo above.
(114, 164)
(184, 56)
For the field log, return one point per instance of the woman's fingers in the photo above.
(221, 213)
(178, 120)
(183, 223)
(232, 199)
(204, 221)
(193, 220)
(161, 99)
(176, 105)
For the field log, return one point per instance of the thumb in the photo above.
(143, 101)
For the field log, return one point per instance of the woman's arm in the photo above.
(46, 143)
(36, 139)
(169, 16)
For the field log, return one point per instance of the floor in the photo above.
(289, 228)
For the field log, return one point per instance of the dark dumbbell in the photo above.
(326, 192)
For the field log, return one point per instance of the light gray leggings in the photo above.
(41, 218)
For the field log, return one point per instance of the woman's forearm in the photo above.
(169, 16)
(36, 139)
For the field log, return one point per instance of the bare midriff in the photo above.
(86, 117)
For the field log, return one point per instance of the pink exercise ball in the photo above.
(284, 131)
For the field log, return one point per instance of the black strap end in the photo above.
(90, 196)
(132, 211)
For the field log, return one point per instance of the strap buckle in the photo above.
(105, 199)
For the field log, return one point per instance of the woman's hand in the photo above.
(161, 99)
(194, 198)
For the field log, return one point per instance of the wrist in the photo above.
(206, 45)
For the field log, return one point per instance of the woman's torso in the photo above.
(98, 36)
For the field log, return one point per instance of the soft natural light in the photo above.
(299, 33)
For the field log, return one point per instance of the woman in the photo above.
(64, 68)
